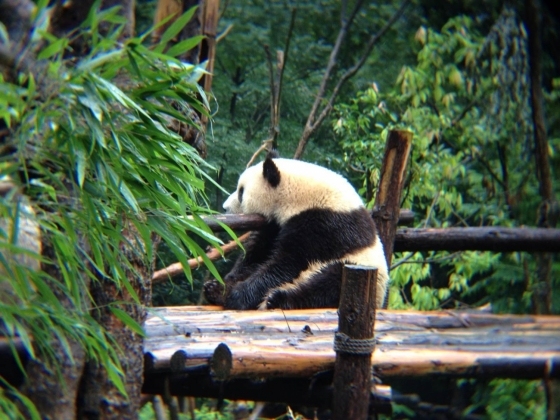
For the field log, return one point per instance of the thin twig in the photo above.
(313, 122)
(215, 253)
(426, 261)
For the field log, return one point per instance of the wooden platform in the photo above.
(274, 344)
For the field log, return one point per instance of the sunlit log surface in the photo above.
(282, 344)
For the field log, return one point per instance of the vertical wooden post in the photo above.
(354, 343)
(387, 200)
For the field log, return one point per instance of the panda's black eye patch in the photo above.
(240, 194)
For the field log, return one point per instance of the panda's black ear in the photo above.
(271, 172)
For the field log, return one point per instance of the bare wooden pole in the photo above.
(497, 239)
(354, 343)
(388, 198)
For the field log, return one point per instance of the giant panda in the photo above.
(316, 222)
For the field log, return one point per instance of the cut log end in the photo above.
(178, 361)
(221, 362)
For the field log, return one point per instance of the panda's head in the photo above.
(281, 188)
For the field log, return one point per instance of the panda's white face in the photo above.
(281, 188)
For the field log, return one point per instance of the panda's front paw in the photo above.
(214, 292)
(276, 299)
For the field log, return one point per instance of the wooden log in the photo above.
(313, 391)
(352, 371)
(496, 239)
(202, 348)
(186, 320)
(237, 222)
(388, 197)
(257, 361)
(299, 343)
(246, 222)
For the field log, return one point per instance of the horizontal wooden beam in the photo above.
(315, 391)
(498, 239)
(246, 222)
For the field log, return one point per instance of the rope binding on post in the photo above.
(345, 344)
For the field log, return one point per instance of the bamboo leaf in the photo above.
(175, 28)
(54, 48)
(184, 46)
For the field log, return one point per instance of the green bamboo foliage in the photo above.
(90, 151)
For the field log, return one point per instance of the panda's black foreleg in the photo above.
(258, 248)
(320, 291)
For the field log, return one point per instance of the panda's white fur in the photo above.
(303, 186)
(310, 210)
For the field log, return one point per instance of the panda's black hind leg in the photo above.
(320, 291)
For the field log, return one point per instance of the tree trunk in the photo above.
(548, 212)
(100, 397)
(54, 390)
